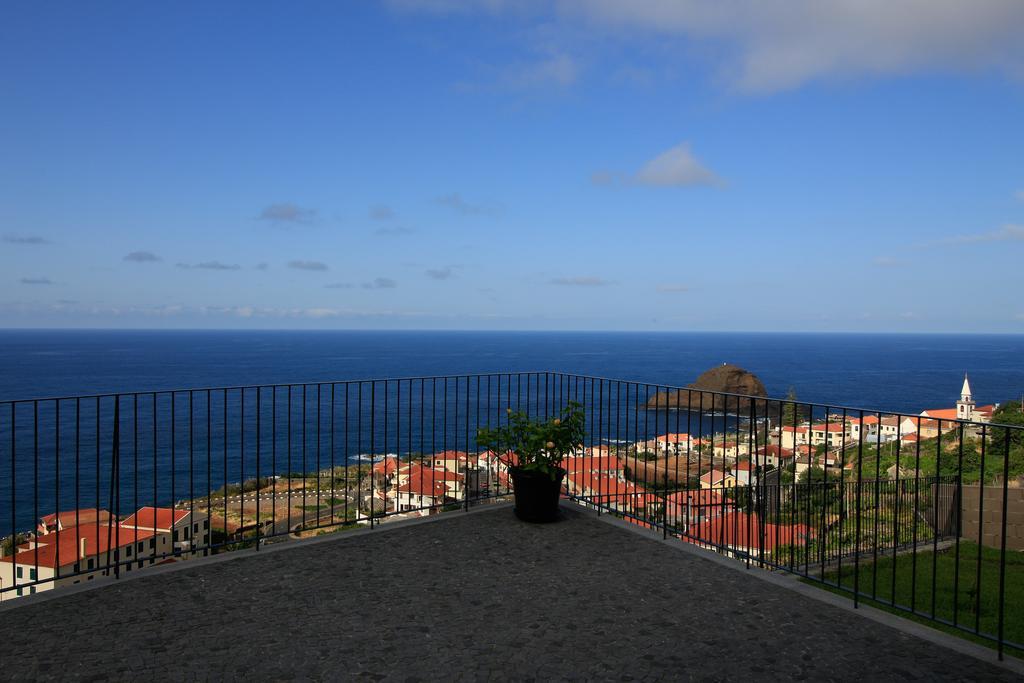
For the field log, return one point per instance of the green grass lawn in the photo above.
(955, 599)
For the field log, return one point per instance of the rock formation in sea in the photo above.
(723, 379)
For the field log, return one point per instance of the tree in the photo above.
(792, 413)
(1010, 413)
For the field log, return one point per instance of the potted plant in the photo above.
(539, 445)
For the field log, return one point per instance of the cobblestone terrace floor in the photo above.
(468, 596)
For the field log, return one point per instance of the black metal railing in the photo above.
(903, 511)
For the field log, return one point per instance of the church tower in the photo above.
(965, 406)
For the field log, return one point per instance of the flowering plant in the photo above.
(540, 444)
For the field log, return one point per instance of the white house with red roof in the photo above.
(684, 508)
(72, 555)
(774, 455)
(716, 479)
(793, 435)
(188, 530)
(673, 444)
(611, 491)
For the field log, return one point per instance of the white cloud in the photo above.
(440, 273)
(758, 46)
(287, 213)
(210, 265)
(380, 283)
(394, 230)
(580, 281)
(554, 71)
(455, 202)
(676, 167)
(673, 288)
(25, 239)
(142, 257)
(886, 261)
(307, 265)
(1007, 233)
(771, 46)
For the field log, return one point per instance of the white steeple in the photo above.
(965, 406)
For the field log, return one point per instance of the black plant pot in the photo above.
(536, 494)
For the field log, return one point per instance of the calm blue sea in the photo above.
(173, 451)
(891, 372)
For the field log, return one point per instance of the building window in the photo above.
(175, 536)
(152, 544)
(186, 533)
(32, 590)
(19, 593)
(206, 524)
(78, 568)
(20, 575)
(31, 574)
(141, 546)
(195, 528)
(90, 566)
(128, 551)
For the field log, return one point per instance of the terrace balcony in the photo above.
(472, 595)
(356, 528)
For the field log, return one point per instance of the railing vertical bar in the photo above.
(191, 477)
(935, 514)
(981, 537)
(35, 484)
(258, 489)
(1002, 546)
(208, 536)
(896, 515)
(56, 486)
(957, 508)
(914, 518)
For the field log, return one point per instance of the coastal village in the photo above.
(707, 489)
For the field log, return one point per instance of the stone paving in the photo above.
(466, 597)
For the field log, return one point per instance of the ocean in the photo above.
(170, 452)
(898, 372)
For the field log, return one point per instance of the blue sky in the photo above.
(583, 164)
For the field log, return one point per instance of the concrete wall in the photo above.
(990, 519)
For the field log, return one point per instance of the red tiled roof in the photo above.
(386, 466)
(155, 518)
(742, 530)
(72, 517)
(449, 455)
(831, 427)
(595, 463)
(774, 450)
(427, 487)
(67, 543)
(713, 476)
(674, 438)
(941, 413)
